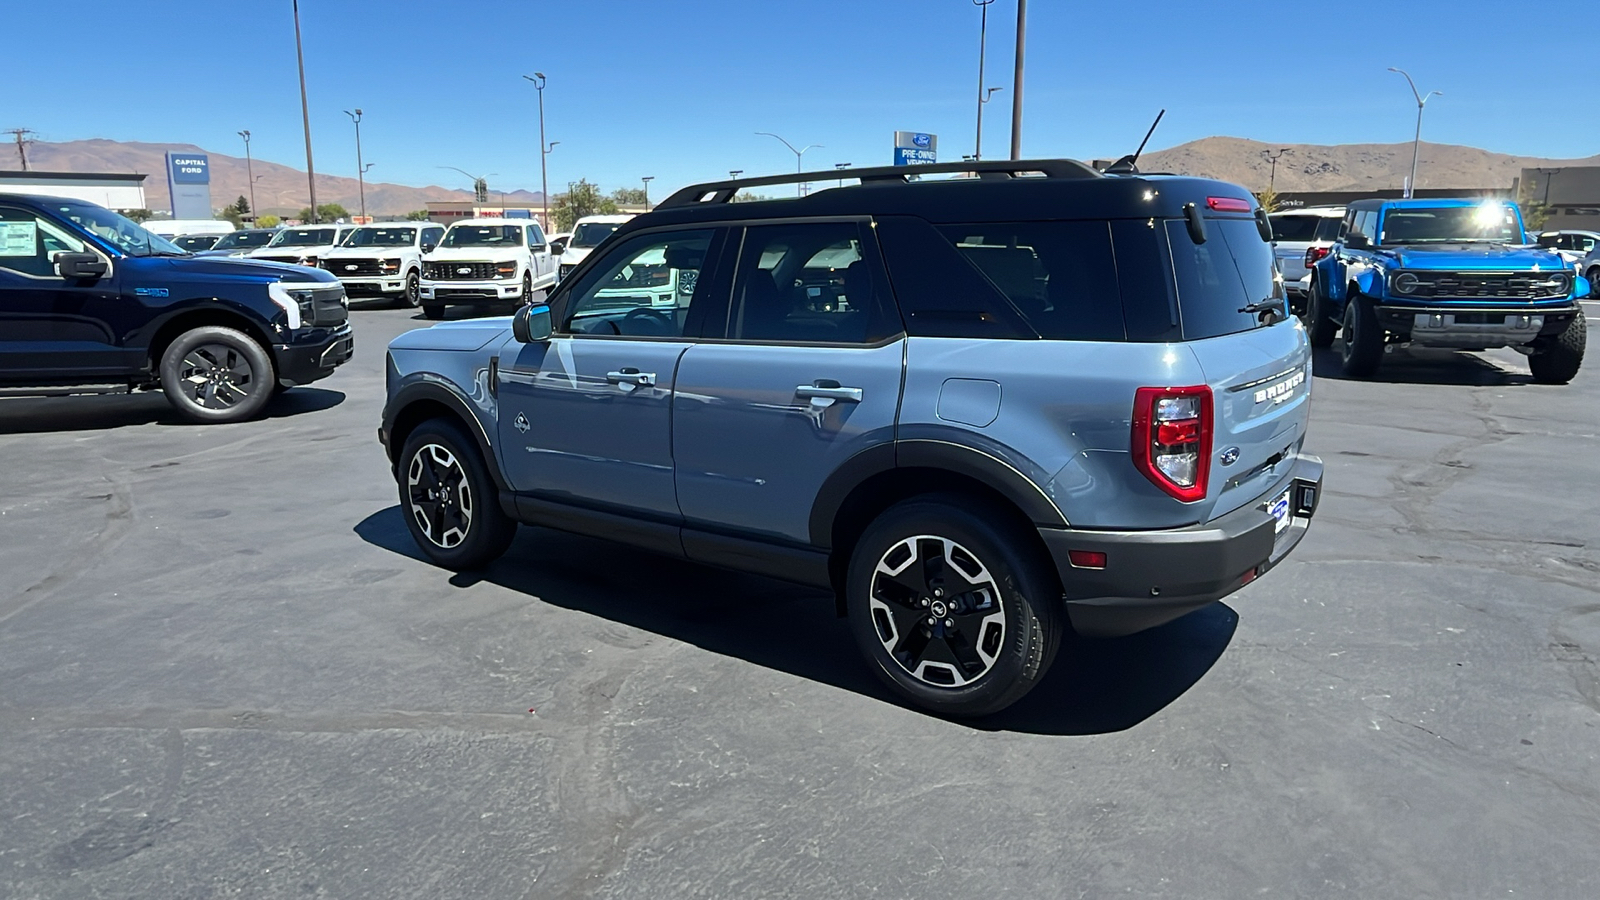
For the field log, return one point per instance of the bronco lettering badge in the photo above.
(1281, 391)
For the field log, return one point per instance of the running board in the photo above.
(63, 390)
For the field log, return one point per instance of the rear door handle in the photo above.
(630, 375)
(827, 389)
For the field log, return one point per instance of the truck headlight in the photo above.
(1406, 283)
(1560, 282)
(389, 266)
(286, 301)
(505, 270)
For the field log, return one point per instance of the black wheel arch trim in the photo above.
(452, 399)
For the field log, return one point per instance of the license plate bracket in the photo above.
(1281, 511)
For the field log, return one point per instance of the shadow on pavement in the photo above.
(1094, 687)
(1422, 366)
(33, 415)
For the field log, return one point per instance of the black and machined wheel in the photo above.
(1320, 328)
(527, 287)
(433, 311)
(1558, 360)
(1363, 337)
(953, 609)
(216, 374)
(413, 295)
(449, 500)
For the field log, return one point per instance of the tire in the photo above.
(413, 294)
(1559, 360)
(433, 311)
(449, 500)
(1363, 337)
(1015, 612)
(1594, 281)
(527, 287)
(1320, 328)
(215, 374)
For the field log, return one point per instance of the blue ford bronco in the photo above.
(92, 303)
(979, 410)
(1444, 273)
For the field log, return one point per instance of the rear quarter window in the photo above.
(1061, 276)
(1216, 280)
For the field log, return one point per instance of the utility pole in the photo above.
(361, 173)
(21, 135)
(647, 179)
(250, 173)
(983, 44)
(841, 167)
(544, 149)
(1271, 157)
(1016, 82)
(305, 114)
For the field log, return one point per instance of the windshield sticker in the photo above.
(19, 238)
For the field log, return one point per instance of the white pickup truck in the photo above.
(587, 234)
(303, 246)
(486, 261)
(384, 259)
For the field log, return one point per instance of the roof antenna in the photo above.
(1128, 165)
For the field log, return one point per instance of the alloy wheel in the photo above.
(937, 611)
(216, 376)
(440, 496)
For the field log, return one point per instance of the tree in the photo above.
(749, 197)
(1534, 215)
(581, 199)
(268, 221)
(138, 215)
(1268, 198)
(229, 214)
(241, 206)
(629, 196)
(326, 212)
(417, 215)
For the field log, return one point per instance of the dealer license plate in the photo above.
(1280, 513)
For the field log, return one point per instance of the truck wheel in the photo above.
(1594, 281)
(1559, 360)
(1363, 338)
(413, 294)
(450, 502)
(433, 310)
(527, 287)
(1319, 327)
(217, 374)
(953, 608)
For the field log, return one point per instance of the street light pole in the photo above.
(983, 45)
(249, 171)
(841, 167)
(647, 179)
(1016, 83)
(480, 184)
(800, 189)
(544, 149)
(1271, 157)
(305, 114)
(361, 173)
(1416, 143)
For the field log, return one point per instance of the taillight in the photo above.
(1172, 438)
(1315, 253)
(1228, 204)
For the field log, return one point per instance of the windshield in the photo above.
(244, 240)
(590, 234)
(120, 232)
(303, 237)
(380, 237)
(1495, 222)
(480, 235)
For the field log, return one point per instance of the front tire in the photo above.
(449, 500)
(1559, 360)
(1363, 337)
(413, 294)
(993, 604)
(1320, 328)
(215, 374)
(433, 311)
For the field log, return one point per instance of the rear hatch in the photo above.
(1258, 366)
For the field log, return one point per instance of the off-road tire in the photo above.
(1363, 337)
(1558, 360)
(214, 374)
(1320, 329)
(448, 498)
(890, 622)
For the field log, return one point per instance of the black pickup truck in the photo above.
(92, 303)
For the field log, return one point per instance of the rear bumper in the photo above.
(1152, 577)
(303, 363)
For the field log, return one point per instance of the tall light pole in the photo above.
(1271, 157)
(249, 171)
(977, 147)
(361, 172)
(1416, 143)
(735, 173)
(544, 149)
(800, 190)
(1550, 175)
(841, 167)
(647, 179)
(480, 184)
(305, 113)
(983, 45)
(1016, 82)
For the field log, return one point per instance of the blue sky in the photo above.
(677, 88)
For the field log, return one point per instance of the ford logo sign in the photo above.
(921, 140)
(349, 268)
(1229, 456)
(464, 270)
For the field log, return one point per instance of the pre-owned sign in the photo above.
(915, 148)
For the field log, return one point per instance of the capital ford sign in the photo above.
(915, 148)
(189, 185)
(189, 168)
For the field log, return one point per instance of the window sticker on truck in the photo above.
(19, 238)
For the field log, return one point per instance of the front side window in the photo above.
(483, 236)
(29, 244)
(121, 233)
(644, 287)
(535, 236)
(808, 282)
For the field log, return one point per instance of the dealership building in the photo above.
(119, 192)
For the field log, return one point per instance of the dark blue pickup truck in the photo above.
(1444, 273)
(92, 303)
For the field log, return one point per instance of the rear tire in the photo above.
(1559, 360)
(994, 603)
(433, 311)
(214, 374)
(1320, 328)
(1363, 338)
(449, 500)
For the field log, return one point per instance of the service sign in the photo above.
(915, 148)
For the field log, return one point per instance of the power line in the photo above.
(21, 136)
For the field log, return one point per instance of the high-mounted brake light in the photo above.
(1228, 204)
(1313, 254)
(1172, 438)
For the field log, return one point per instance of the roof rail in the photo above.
(724, 191)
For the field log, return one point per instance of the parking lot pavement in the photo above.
(227, 671)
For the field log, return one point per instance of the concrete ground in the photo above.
(225, 671)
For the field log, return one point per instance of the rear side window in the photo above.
(1217, 280)
(1061, 276)
(1295, 228)
(940, 294)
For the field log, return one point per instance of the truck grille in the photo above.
(1528, 286)
(323, 306)
(460, 271)
(352, 268)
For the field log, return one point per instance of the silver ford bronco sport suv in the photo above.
(979, 409)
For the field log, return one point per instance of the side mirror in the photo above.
(429, 248)
(81, 266)
(1357, 242)
(531, 324)
(539, 248)
(558, 247)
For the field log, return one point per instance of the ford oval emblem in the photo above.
(921, 140)
(1229, 456)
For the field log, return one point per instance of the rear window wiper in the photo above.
(1261, 306)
